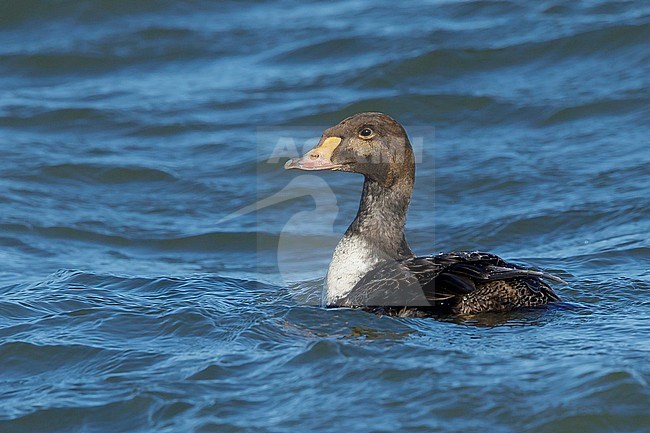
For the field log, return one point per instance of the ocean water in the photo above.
(161, 272)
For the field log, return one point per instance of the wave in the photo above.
(91, 174)
(449, 108)
(27, 11)
(106, 174)
(450, 62)
(67, 118)
(225, 241)
(603, 108)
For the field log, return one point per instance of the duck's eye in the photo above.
(366, 132)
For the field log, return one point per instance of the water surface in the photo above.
(133, 299)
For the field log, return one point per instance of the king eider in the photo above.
(373, 267)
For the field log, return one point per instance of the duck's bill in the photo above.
(319, 158)
(308, 163)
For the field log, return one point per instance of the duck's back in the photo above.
(451, 283)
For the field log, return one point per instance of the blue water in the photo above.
(161, 272)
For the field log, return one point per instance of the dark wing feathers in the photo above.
(390, 284)
(434, 280)
(506, 273)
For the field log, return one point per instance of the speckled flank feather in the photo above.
(506, 295)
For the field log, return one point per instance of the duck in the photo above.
(374, 269)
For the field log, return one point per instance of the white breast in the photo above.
(352, 259)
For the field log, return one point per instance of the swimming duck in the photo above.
(373, 266)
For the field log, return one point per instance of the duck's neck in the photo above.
(375, 235)
(381, 217)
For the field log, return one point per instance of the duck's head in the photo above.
(372, 144)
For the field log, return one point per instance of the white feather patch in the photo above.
(353, 258)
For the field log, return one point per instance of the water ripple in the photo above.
(130, 130)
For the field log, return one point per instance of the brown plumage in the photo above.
(374, 268)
